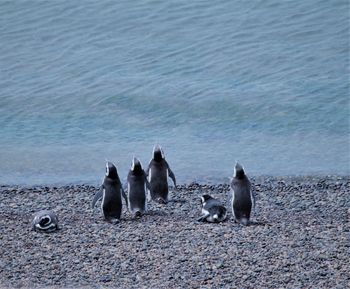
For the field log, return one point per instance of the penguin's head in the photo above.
(238, 171)
(205, 198)
(44, 221)
(136, 165)
(111, 170)
(158, 153)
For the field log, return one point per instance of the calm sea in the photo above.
(262, 82)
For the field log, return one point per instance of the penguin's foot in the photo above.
(202, 219)
(258, 223)
(137, 214)
(243, 221)
(113, 221)
(161, 201)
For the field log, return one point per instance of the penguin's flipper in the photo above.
(149, 188)
(97, 197)
(203, 218)
(124, 187)
(148, 185)
(149, 197)
(125, 197)
(253, 196)
(172, 175)
(147, 170)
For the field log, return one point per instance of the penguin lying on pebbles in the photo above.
(213, 211)
(158, 172)
(111, 192)
(242, 198)
(45, 221)
(137, 189)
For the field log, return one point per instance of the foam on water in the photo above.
(265, 82)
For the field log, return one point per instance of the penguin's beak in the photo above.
(238, 166)
(135, 162)
(107, 168)
(157, 150)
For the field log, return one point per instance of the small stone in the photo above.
(106, 279)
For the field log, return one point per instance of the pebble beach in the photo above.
(299, 238)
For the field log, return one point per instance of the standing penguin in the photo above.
(242, 197)
(137, 189)
(213, 211)
(111, 192)
(158, 172)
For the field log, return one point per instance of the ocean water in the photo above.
(262, 82)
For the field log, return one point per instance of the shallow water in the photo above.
(262, 82)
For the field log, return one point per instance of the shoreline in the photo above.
(199, 181)
(299, 240)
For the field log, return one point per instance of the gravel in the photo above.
(299, 239)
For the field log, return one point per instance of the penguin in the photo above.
(45, 221)
(137, 189)
(158, 172)
(213, 211)
(111, 192)
(242, 198)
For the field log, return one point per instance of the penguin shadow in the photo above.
(207, 223)
(156, 213)
(259, 223)
(130, 218)
(163, 209)
(251, 223)
(168, 205)
(58, 230)
(155, 209)
(180, 201)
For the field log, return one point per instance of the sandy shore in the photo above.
(300, 239)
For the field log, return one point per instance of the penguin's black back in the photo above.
(159, 178)
(112, 201)
(242, 203)
(137, 191)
